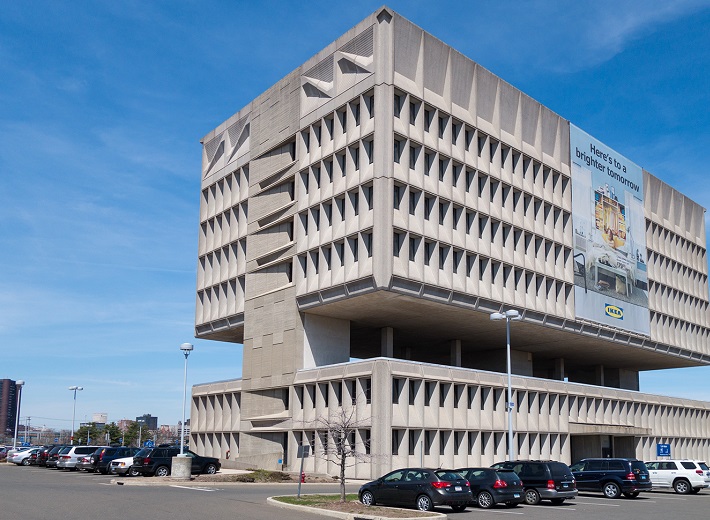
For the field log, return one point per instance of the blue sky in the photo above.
(103, 104)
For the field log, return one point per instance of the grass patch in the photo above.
(317, 500)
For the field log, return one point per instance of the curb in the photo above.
(350, 516)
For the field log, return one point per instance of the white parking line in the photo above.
(596, 504)
(193, 488)
(559, 508)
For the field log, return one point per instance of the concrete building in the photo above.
(362, 219)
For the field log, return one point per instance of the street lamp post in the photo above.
(508, 316)
(186, 349)
(18, 385)
(73, 416)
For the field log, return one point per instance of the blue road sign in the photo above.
(663, 450)
(149, 444)
(25, 444)
(56, 439)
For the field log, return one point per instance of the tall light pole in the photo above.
(73, 416)
(186, 349)
(18, 386)
(508, 316)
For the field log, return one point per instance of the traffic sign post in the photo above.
(303, 452)
(663, 450)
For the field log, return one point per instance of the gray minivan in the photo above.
(70, 455)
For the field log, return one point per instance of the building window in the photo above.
(367, 239)
(413, 156)
(398, 194)
(397, 245)
(413, 246)
(397, 150)
(413, 112)
(398, 100)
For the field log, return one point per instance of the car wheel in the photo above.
(682, 486)
(632, 495)
(557, 501)
(611, 490)
(26, 462)
(458, 509)
(485, 500)
(424, 503)
(532, 497)
(367, 498)
(162, 471)
(211, 469)
(133, 472)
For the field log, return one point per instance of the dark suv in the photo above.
(158, 461)
(543, 480)
(612, 476)
(103, 456)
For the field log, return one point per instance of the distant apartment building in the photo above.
(362, 219)
(8, 407)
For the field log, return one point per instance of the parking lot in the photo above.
(32, 492)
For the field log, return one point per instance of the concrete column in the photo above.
(387, 342)
(181, 468)
(455, 353)
(559, 369)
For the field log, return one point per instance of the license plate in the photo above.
(516, 495)
(565, 485)
(643, 477)
(458, 488)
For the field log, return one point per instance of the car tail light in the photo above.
(521, 484)
(500, 484)
(631, 476)
(146, 461)
(65, 457)
(441, 485)
(550, 484)
(468, 484)
(699, 471)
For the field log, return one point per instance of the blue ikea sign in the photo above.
(663, 450)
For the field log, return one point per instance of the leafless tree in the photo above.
(340, 428)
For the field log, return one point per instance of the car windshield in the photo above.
(66, 449)
(508, 475)
(559, 470)
(144, 452)
(703, 466)
(638, 467)
(448, 476)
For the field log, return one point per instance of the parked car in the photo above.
(123, 467)
(43, 454)
(418, 487)
(158, 461)
(86, 463)
(69, 456)
(612, 477)
(543, 480)
(491, 486)
(53, 456)
(22, 457)
(104, 456)
(683, 476)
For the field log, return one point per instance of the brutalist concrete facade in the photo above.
(378, 203)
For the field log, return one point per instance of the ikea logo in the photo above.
(613, 311)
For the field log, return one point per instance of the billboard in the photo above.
(609, 227)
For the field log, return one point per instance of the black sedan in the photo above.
(418, 487)
(494, 486)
